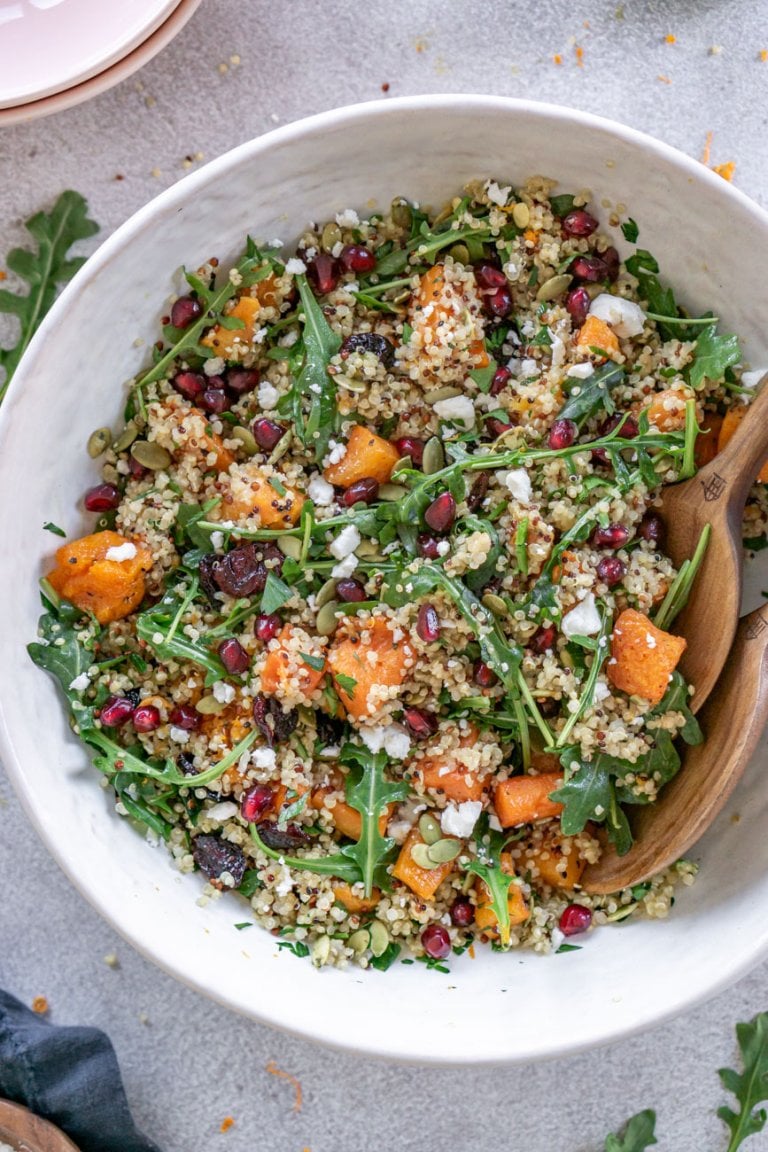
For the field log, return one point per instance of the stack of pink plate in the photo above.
(56, 53)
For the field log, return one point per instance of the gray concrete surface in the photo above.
(188, 1064)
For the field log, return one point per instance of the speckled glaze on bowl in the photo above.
(712, 242)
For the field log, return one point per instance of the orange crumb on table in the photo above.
(707, 148)
(40, 1005)
(670, 38)
(579, 55)
(664, 79)
(471, 951)
(273, 1070)
(763, 55)
(557, 58)
(227, 1123)
(3, 275)
(725, 170)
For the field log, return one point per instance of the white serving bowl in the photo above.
(713, 244)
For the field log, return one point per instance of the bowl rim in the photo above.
(166, 204)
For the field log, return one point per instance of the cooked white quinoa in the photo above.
(453, 372)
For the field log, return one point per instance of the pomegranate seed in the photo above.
(629, 427)
(355, 258)
(116, 710)
(611, 570)
(267, 433)
(102, 498)
(350, 591)
(575, 919)
(363, 491)
(612, 261)
(652, 529)
(579, 223)
(215, 401)
(428, 546)
(420, 723)
(497, 427)
(267, 626)
(137, 470)
(233, 656)
(242, 380)
(612, 536)
(484, 676)
(185, 310)
(590, 268)
(543, 639)
(462, 912)
(562, 434)
(577, 304)
(256, 802)
(185, 717)
(146, 718)
(436, 941)
(441, 513)
(489, 277)
(410, 446)
(499, 303)
(428, 623)
(190, 385)
(323, 273)
(501, 378)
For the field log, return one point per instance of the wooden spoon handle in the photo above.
(732, 473)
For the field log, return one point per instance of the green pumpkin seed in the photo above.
(379, 938)
(446, 393)
(460, 253)
(444, 851)
(290, 546)
(402, 213)
(245, 436)
(320, 950)
(521, 214)
(421, 857)
(331, 236)
(555, 287)
(150, 455)
(495, 604)
(99, 441)
(368, 549)
(209, 706)
(401, 296)
(430, 829)
(392, 492)
(351, 384)
(326, 593)
(126, 437)
(359, 941)
(327, 621)
(434, 456)
(281, 447)
(403, 463)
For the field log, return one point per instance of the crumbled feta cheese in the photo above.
(320, 491)
(268, 396)
(276, 243)
(295, 267)
(460, 819)
(650, 640)
(457, 409)
(178, 735)
(217, 539)
(583, 620)
(122, 552)
(494, 823)
(752, 379)
(345, 543)
(264, 757)
(285, 883)
(214, 366)
(222, 692)
(80, 683)
(336, 453)
(497, 195)
(624, 316)
(348, 218)
(602, 691)
(398, 830)
(337, 249)
(345, 567)
(260, 336)
(222, 812)
(558, 351)
(443, 547)
(519, 484)
(528, 368)
(581, 371)
(391, 737)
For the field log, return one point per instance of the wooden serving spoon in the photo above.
(715, 496)
(733, 721)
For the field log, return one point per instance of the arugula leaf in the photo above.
(483, 377)
(712, 355)
(313, 381)
(64, 649)
(44, 270)
(593, 395)
(641, 262)
(346, 683)
(426, 245)
(370, 793)
(750, 1087)
(275, 594)
(158, 627)
(49, 526)
(387, 958)
(630, 230)
(250, 883)
(638, 1134)
(316, 663)
(676, 699)
(561, 205)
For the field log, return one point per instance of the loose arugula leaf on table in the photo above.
(638, 1134)
(712, 355)
(44, 270)
(562, 205)
(750, 1087)
(320, 343)
(630, 230)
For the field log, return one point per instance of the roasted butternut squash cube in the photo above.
(595, 333)
(667, 409)
(286, 670)
(365, 653)
(485, 917)
(109, 588)
(249, 492)
(643, 657)
(556, 867)
(450, 775)
(367, 455)
(354, 903)
(424, 882)
(525, 799)
(233, 343)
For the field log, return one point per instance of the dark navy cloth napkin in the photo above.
(69, 1076)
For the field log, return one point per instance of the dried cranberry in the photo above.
(428, 624)
(369, 342)
(242, 380)
(215, 856)
(233, 656)
(612, 261)
(562, 434)
(267, 433)
(420, 723)
(267, 626)
(282, 839)
(611, 570)
(137, 470)
(543, 639)
(489, 277)
(323, 273)
(428, 546)
(356, 258)
(483, 674)
(436, 941)
(590, 268)
(185, 717)
(350, 591)
(215, 401)
(272, 722)
(477, 492)
(190, 385)
(577, 304)
(411, 446)
(207, 567)
(146, 718)
(116, 710)
(462, 912)
(579, 223)
(441, 513)
(185, 310)
(499, 303)
(612, 536)
(102, 498)
(652, 529)
(363, 491)
(243, 571)
(256, 802)
(575, 919)
(501, 378)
